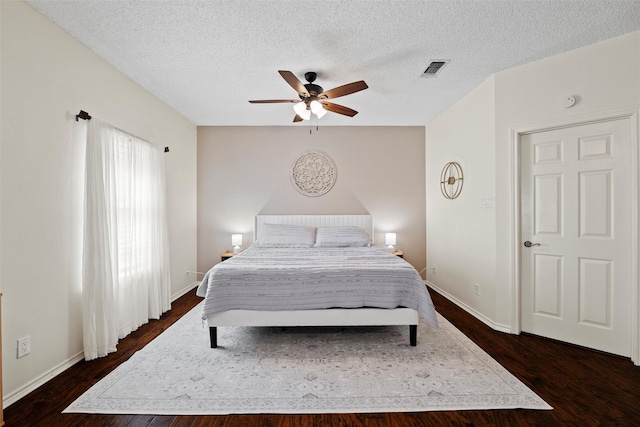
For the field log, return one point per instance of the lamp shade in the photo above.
(301, 109)
(390, 238)
(236, 241)
(317, 108)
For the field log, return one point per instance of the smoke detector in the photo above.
(434, 68)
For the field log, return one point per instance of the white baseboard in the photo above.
(184, 291)
(484, 319)
(44, 378)
(41, 380)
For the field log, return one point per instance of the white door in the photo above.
(577, 213)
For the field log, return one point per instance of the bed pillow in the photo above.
(286, 236)
(342, 237)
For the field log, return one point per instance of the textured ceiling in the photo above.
(208, 58)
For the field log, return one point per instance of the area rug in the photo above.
(306, 370)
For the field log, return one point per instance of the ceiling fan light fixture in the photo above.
(301, 110)
(317, 108)
(313, 98)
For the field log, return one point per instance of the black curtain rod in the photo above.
(83, 115)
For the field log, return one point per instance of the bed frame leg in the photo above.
(413, 335)
(213, 335)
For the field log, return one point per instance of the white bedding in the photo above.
(277, 279)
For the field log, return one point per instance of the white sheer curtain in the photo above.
(125, 280)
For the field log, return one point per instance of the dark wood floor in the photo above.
(586, 388)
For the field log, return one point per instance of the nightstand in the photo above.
(226, 255)
(398, 252)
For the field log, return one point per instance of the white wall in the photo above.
(46, 78)
(604, 76)
(461, 232)
(244, 171)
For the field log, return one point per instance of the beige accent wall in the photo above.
(46, 78)
(604, 77)
(244, 171)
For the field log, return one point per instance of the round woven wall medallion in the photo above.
(313, 173)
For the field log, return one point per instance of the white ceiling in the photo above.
(208, 58)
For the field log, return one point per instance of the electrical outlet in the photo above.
(24, 346)
(476, 288)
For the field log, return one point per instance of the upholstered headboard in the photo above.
(363, 221)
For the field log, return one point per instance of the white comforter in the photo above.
(314, 278)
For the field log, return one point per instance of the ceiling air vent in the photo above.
(434, 68)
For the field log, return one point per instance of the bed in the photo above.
(314, 270)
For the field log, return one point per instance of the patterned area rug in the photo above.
(306, 370)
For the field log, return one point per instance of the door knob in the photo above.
(528, 244)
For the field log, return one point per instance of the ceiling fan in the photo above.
(313, 98)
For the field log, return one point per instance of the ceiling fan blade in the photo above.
(343, 90)
(297, 118)
(340, 109)
(294, 83)
(273, 101)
